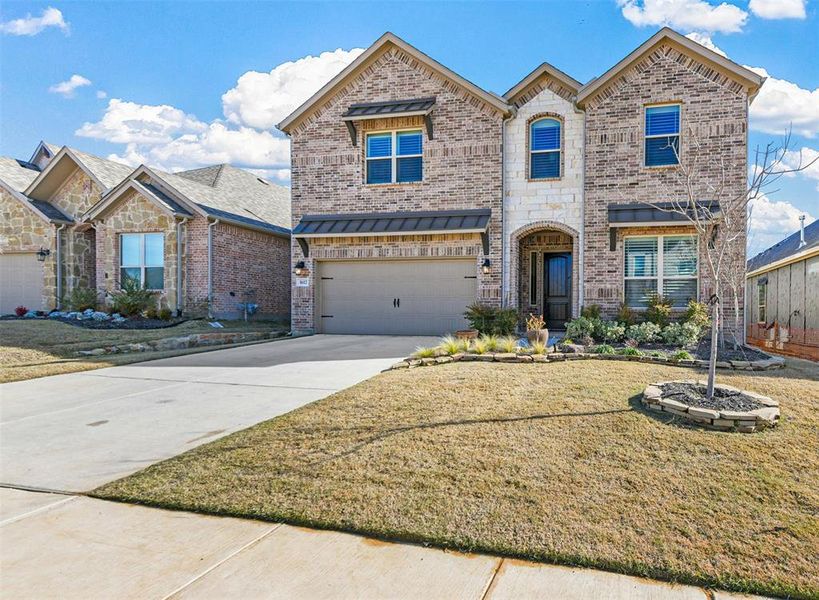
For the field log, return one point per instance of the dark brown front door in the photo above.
(557, 289)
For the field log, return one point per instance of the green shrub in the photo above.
(611, 331)
(625, 315)
(506, 321)
(681, 334)
(508, 344)
(491, 320)
(696, 313)
(132, 299)
(659, 310)
(656, 354)
(580, 327)
(80, 298)
(450, 345)
(681, 355)
(629, 351)
(537, 348)
(479, 346)
(421, 352)
(491, 342)
(643, 333)
(603, 349)
(592, 311)
(165, 314)
(151, 313)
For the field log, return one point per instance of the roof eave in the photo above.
(44, 174)
(22, 200)
(279, 231)
(543, 69)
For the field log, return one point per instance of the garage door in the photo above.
(411, 297)
(21, 282)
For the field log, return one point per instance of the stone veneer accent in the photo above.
(22, 230)
(714, 109)
(549, 201)
(462, 169)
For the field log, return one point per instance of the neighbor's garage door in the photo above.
(21, 282)
(406, 297)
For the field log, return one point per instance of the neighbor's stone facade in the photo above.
(462, 169)
(556, 205)
(22, 230)
(713, 111)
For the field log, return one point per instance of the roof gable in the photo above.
(47, 212)
(545, 76)
(104, 173)
(704, 61)
(786, 248)
(370, 55)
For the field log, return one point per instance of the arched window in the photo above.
(544, 149)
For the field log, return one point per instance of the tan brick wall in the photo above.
(462, 168)
(714, 112)
(21, 230)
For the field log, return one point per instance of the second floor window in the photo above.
(395, 157)
(544, 149)
(142, 258)
(662, 143)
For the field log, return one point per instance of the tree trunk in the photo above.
(738, 333)
(712, 359)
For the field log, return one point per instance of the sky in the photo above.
(178, 85)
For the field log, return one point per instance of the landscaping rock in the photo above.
(704, 413)
(735, 415)
(524, 358)
(767, 415)
(469, 357)
(506, 357)
(428, 361)
(540, 358)
(400, 365)
(100, 316)
(440, 360)
(488, 357)
(668, 403)
(653, 393)
(571, 348)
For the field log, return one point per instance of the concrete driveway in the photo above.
(75, 432)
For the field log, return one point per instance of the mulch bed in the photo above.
(693, 394)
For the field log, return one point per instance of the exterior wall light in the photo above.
(42, 253)
(485, 266)
(300, 269)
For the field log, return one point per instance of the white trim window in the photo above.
(662, 135)
(544, 149)
(395, 156)
(142, 258)
(666, 265)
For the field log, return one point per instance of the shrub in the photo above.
(643, 333)
(625, 315)
(491, 320)
(80, 298)
(603, 349)
(681, 355)
(537, 348)
(508, 344)
(506, 321)
(682, 334)
(421, 352)
(611, 331)
(629, 351)
(659, 310)
(450, 345)
(151, 313)
(491, 342)
(165, 314)
(20, 310)
(479, 346)
(697, 314)
(656, 354)
(592, 311)
(132, 299)
(579, 327)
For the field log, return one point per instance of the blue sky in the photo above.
(179, 84)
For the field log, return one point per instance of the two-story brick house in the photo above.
(415, 193)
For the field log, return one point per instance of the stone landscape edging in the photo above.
(722, 420)
(193, 340)
(767, 364)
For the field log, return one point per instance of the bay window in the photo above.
(394, 157)
(666, 265)
(142, 259)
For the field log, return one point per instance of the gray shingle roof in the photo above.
(169, 202)
(108, 172)
(393, 223)
(17, 173)
(786, 248)
(50, 211)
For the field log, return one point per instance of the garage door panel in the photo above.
(359, 297)
(21, 282)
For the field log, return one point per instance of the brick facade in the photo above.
(714, 113)
(462, 169)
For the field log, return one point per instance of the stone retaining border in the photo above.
(193, 340)
(722, 420)
(772, 362)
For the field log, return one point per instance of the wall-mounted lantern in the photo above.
(42, 253)
(485, 266)
(300, 270)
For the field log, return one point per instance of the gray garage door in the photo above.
(398, 297)
(21, 282)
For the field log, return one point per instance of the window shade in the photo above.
(663, 120)
(641, 257)
(379, 145)
(379, 171)
(409, 169)
(662, 151)
(545, 165)
(409, 142)
(545, 135)
(679, 256)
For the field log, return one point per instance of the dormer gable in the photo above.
(545, 76)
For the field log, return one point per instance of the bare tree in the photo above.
(712, 194)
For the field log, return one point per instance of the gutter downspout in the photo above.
(210, 267)
(179, 279)
(505, 247)
(59, 258)
(581, 260)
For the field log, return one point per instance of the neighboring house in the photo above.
(782, 295)
(206, 239)
(415, 193)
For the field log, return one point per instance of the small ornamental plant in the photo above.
(20, 310)
(535, 323)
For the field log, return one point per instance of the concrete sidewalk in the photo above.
(66, 547)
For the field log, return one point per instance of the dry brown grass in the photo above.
(554, 462)
(30, 349)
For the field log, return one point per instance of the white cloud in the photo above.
(771, 222)
(261, 100)
(129, 122)
(782, 104)
(67, 89)
(102, 94)
(705, 40)
(51, 17)
(807, 159)
(687, 15)
(778, 9)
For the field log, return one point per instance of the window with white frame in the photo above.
(662, 135)
(142, 259)
(664, 265)
(544, 149)
(394, 157)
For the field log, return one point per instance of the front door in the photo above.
(557, 289)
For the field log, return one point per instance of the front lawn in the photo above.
(555, 462)
(35, 348)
